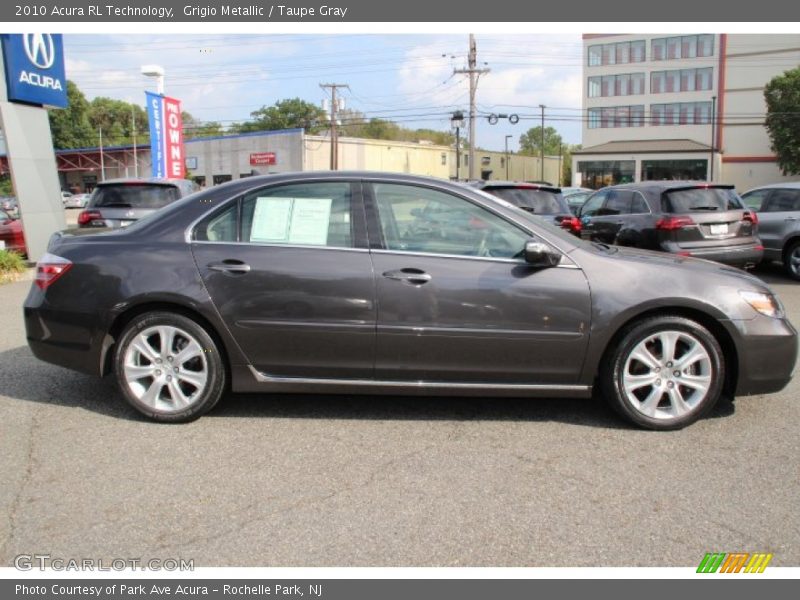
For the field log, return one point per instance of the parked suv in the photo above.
(542, 200)
(778, 209)
(688, 218)
(120, 202)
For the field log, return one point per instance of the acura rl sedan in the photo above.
(351, 282)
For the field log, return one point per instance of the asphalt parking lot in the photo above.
(377, 481)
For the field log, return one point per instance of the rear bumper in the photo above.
(767, 355)
(737, 256)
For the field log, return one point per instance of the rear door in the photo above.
(456, 303)
(779, 218)
(289, 272)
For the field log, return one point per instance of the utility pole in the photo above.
(474, 75)
(542, 174)
(334, 133)
(133, 128)
(713, 136)
(102, 161)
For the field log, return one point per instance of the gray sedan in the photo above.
(330, 283)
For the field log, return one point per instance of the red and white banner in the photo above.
(166, 136)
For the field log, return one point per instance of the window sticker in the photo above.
(291, 220)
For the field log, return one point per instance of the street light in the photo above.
(508, 136)
(457, 122)
(158, 73)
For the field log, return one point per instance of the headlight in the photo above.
(766, 304)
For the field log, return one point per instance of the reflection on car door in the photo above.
(288, 269)
(455, 301)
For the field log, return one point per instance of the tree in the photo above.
(783, 119)
(70, 126)
(530, 143)
(286, 114)
(116, 118)
(193, 128)
(566, 165)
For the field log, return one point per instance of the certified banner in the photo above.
(166, 136)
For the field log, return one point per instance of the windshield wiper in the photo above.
(704, 208)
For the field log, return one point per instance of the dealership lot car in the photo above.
(543, 200)
(778, 209)
(120, 202)
(325, 283)
(682, 217)
(11, 233)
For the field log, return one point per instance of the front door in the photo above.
(457, 303)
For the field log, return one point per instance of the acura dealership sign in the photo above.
(35, 68)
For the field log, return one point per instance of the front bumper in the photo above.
(767, 352)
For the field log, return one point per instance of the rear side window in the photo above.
(539, 202)
(307, 214)
(700, 199)
(783, 201)
(134, 196)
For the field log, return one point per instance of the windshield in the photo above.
(701, 199)
(539, 202)
(134, 196)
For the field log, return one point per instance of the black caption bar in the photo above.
(407, 11)
(383, 589)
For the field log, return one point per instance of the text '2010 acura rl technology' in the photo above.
(351, 282)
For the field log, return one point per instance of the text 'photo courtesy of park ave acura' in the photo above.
(605, 217)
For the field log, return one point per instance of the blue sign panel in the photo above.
(35, 68)
(155, 115)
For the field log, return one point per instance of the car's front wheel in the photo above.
(168, 367)
(664, 373)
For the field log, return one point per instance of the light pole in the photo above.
(541, 178)
(508, 136)
(457, 121)
(156, 72)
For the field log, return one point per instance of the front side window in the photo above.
(418, 219)
(593, 204)
(755, 200)
(303, 214)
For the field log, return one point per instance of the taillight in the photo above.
(673, 223)
(750, 216)
(49, 269)
(87, 216)
(572, 224)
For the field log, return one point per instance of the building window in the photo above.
(683, 80)
(616, 116)
(626, 84)
(600, 173)
(620, 53)
(444, 158)
(681, 113)
(658, 170)
(687, 46)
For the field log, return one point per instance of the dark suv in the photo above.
(540, 199)
(688, 218)
(120, 202)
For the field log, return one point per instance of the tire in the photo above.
(168, 367)
(791, 260)
(658, 388)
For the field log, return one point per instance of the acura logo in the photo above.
(40, 49)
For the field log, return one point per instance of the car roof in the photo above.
(499, 183)
(668, 185)
(140, 180)
(792, 185)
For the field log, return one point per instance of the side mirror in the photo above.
(538, 254)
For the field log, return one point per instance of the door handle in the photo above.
(230, 265)
(409, 275)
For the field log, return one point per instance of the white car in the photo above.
(76, 201)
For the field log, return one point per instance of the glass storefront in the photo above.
(600, 173)
(659, 170)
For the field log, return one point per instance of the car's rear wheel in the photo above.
(791, 260)
(664, 373)
(168, 367)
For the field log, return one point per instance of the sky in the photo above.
(408, 79)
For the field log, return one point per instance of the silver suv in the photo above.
(778, 208)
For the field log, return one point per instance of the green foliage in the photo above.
(566, 165)
(11, 263)
(285, 114)
(530, 143)
(782, 95)
(116, 118)
(70, 126)
(192, 128)
(6, 186)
